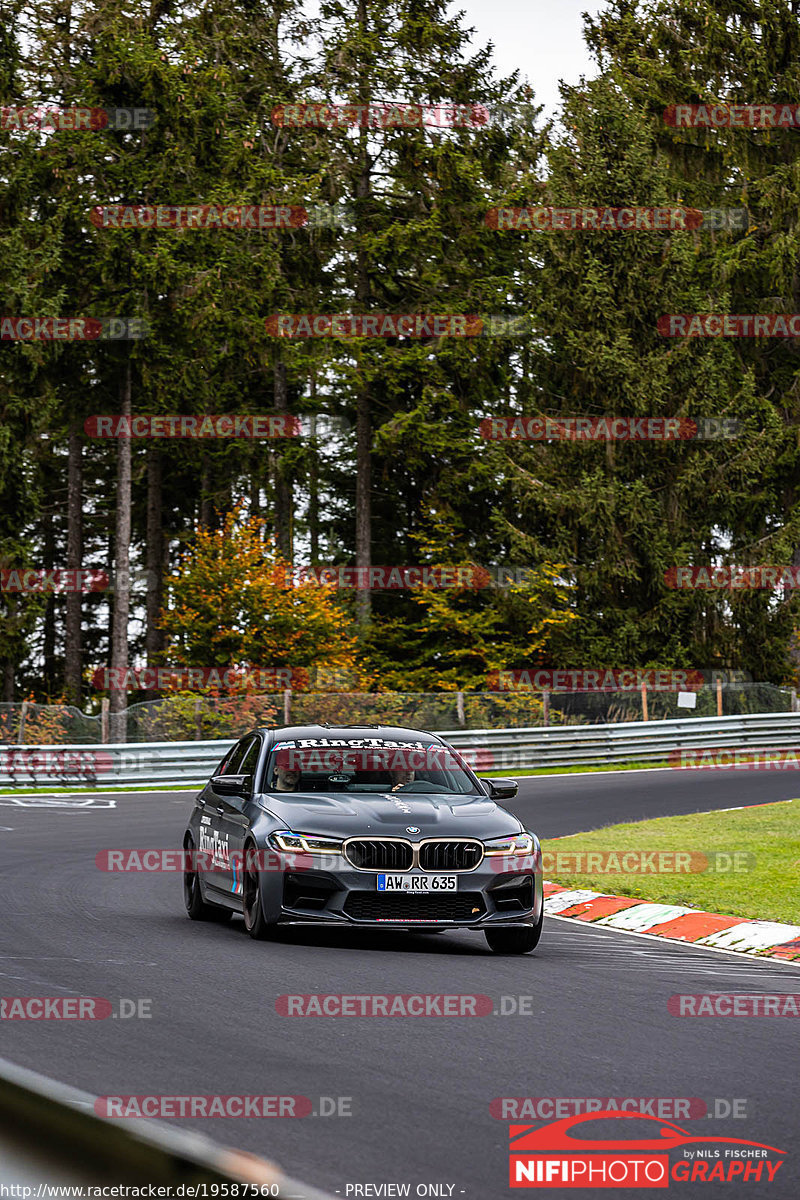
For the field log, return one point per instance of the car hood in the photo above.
(383, 814)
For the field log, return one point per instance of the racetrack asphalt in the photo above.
(596, 1023)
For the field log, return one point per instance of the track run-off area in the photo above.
(586, 1015)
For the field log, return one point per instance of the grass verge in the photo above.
(765, 885)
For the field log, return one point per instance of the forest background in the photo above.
(390, 467)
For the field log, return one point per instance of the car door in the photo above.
(214, 830)
(232, 820)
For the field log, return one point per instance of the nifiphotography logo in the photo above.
(650, 1154)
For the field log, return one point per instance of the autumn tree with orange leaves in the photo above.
(232, 602)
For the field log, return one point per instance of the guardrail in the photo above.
(631, 741)
(166, 763)
(56, 1138)
(191, 763)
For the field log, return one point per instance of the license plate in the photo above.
(417, 883)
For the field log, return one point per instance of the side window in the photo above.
(230, 764)
(248, 764)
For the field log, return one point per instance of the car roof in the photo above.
(392, 733)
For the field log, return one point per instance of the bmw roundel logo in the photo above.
(412, 829)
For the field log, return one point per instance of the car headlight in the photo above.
(304, 843)
(520, 843)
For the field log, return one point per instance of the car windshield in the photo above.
(366, 765)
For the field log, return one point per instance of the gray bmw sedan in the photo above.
(361, 825)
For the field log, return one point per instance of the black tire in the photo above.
(518, 939)
(255, 922)
(198, 908)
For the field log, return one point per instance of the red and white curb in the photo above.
(767, 939)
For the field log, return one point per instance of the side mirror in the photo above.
(501, 789)
(232, 785)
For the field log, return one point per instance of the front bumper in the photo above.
(344, 896)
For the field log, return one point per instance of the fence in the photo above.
(508, 750)
(186, 716)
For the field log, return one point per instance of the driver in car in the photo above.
(286, 779)
(401, 778)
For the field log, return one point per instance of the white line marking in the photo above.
(742, 807)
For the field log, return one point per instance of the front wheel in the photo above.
(519, 939)
(255, 922)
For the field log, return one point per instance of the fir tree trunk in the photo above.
(154, 558)
(73, 632)
(283, 484)
(122, 583)
(49, 633)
